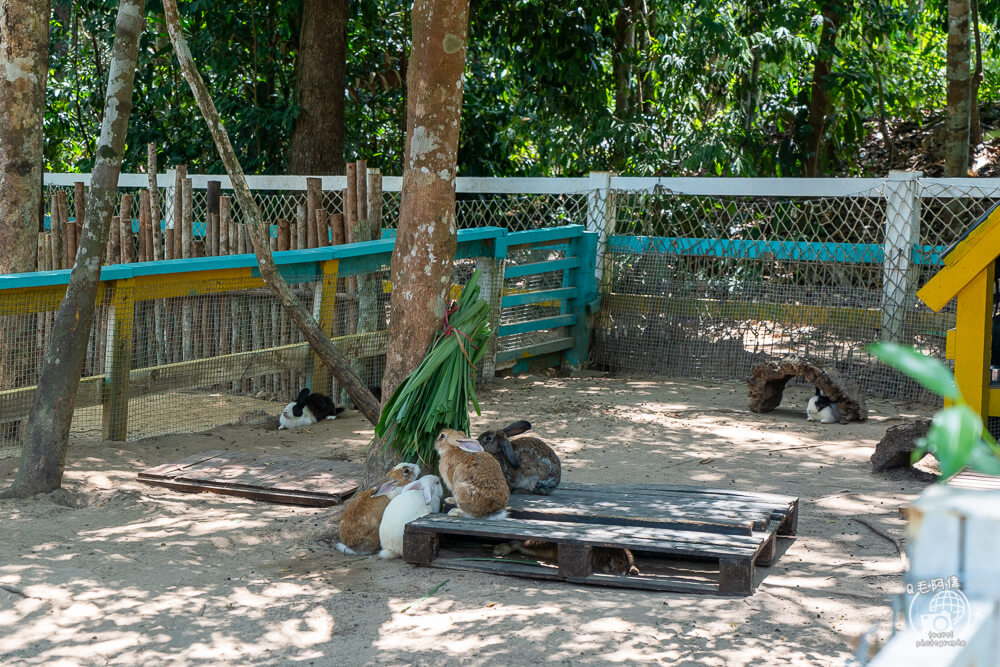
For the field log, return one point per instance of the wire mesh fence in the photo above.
(692, 285)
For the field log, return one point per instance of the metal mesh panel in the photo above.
(703, 286)
(520, 212)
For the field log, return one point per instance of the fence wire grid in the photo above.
(697, 286)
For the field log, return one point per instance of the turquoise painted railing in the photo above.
(566, 334)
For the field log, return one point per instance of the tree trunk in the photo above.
(956, 156)
(260, 231)
(834, 14)
(24, 63)
(44, 453)
(318, 137)
(975, 122)
(623, 57)
(428, 233)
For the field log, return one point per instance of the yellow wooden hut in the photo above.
(968, 274)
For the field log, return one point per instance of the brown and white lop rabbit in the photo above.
(363, 512)
(607, 560)
(476, 481)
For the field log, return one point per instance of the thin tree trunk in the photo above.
(956, 156)
(975, 123)
(44, 453)
(260, 230)
(834, 14)
(318, 137)
(427, 234)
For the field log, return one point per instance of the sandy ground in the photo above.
(111, 571)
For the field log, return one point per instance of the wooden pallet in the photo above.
(684, 538)
(281, 479)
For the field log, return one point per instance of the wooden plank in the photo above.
(255, 475)
(636, 511)
(535, 350)
(677, 542)
(519, 270)
(326, 476)
(539, 324)
(317, 499)
(166, 469)
(704, 491)
(736, 576)
(219, 469)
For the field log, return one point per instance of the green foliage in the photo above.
(956, 437)
(714, 87)
(436, 394)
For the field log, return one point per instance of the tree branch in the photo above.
(260, 232)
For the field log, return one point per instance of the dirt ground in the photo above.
(111, 571)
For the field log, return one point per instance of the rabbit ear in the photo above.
(509, 453)
(517, 428)
(303, 395)
(469, 445)
(384, 489)
(412, 485)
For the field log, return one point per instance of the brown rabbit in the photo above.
(606, 559)
(363, 512)
(529, 465)
(474, 477)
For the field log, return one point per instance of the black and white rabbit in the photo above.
(307, 409)
(822, 409)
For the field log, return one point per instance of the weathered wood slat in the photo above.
(167, 468)
(752, 496)
(317, 482)
(680, 542)
(625, 509)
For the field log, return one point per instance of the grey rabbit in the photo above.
(529, 465)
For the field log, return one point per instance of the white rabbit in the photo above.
(417, 499)
(821, 409)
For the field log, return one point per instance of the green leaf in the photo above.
(954, 433)
(983, 460)
(928, 371)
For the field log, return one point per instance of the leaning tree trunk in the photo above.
(24, 62)
(428, 232)
(260, 231)
(44, 453)
(318, 137)
(956, 156)
(834, 14)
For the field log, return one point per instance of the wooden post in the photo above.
(80, 204)
(143, 224)
(375, 203)
(55, 233)
(314, 201)
(212, 196)
(125, 225)
(116, 389)
(337, 228)
(43, 250)
(283, 234)
(154, 202)
(226, 240)
(114, 245)
(320, 380)
(361, 196)
(180, 174)
(187, 220)
(302, 235)
(322, 228)
(65, 244)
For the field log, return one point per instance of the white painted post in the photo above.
(600, 216)
(952, 604)
(902, 231)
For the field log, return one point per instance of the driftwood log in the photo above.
(767, 384)
(895, 449)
